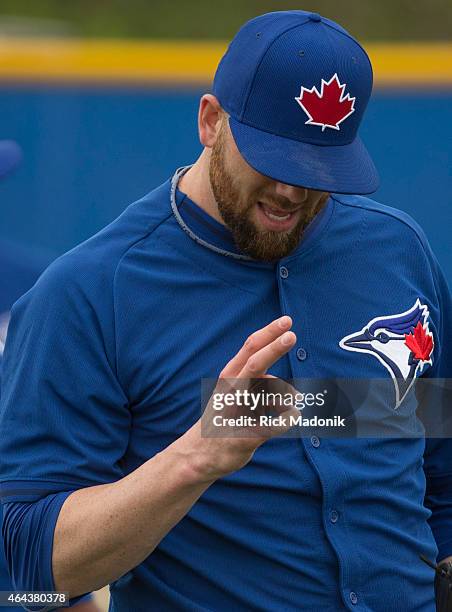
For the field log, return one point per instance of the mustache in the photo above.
(282, 206)
(276, 203)
(287, 206)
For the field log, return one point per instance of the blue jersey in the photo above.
(102, 371)
(20, 267)
(19, 270)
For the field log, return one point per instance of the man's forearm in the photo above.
(104, 531)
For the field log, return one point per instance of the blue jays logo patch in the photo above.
(402, 343)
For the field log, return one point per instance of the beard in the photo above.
(262, 245)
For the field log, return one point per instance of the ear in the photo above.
(209, 119)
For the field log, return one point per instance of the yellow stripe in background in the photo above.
(107, 60)
(142, 62)
(411, 63)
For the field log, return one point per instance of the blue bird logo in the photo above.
(402, 343)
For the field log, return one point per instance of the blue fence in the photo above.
(90, 152)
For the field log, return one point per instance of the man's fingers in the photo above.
(258, 363)
(255, 342)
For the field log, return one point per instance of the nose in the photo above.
(297, 195)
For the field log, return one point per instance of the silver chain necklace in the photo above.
(174, 182)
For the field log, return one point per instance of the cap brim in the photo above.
(10, 156)
(344, 169)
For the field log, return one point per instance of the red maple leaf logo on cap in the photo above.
(329, 107)
(420, 342)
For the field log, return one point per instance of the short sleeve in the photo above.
(64, 418)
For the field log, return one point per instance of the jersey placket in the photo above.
(318, 451)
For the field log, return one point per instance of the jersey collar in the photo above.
(209, 232)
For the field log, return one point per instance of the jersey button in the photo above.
(283, 272)
(334, 516)
(315, 441)
(353, 597)
(301, 354)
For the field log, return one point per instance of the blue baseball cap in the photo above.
(295, 86)
(10, 156)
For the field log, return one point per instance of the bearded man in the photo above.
(107, 474)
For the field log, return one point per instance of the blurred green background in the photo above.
(368, 19)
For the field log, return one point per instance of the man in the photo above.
(105, 356)
(20, 269)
